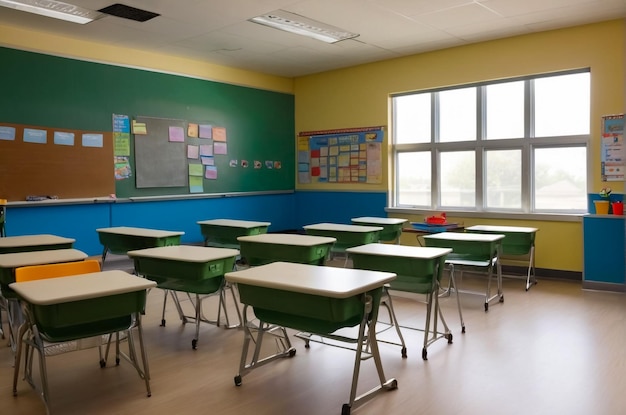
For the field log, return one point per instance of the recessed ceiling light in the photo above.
(55, 9)
(300, 25)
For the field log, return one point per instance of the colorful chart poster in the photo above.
(351, 155)
(613, 153)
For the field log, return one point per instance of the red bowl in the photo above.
(436, 220)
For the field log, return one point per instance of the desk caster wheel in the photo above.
(501, 298)
(449, 337)
(194, 344)
(462, 329)
(486, 306)
(238, 380)
(163, 323)
(345, 409)
(424, 354)
(403, 351)
(292, 352)
(103, 363)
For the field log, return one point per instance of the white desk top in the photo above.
(459, 236)
(491, 228)
(319, 280)
(33, 240)
(185, 253)
(23, 259)
(338, 227)
(234, 223)
(404, 251)
(379, 221)
(287, 239)
(143, 232)
(80, 287)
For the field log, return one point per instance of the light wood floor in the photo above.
(555, 349)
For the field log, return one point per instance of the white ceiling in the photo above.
(218, 31)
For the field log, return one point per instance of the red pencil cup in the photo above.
(618, 208)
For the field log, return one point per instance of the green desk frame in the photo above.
(315, 299)
(29, 243)
(472, 250)
(392, 227)
(190, 269)
(304, 249)
(347, 236)
(59, 310)
(518, 242)
(418, 271)
(121, 239)
(223, 233)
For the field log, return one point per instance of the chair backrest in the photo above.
(63, 269)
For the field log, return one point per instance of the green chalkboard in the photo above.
(55, 92)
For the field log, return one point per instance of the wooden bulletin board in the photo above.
(65, 171)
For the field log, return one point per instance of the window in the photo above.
(517, 145)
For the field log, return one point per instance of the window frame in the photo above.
(480, 145)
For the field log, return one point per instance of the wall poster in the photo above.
(613, 153)
(351, 155)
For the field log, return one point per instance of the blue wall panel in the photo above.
(338, 207)
(289, 211)
(78, 221)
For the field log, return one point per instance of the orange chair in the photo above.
(37, 272)
(61, 339)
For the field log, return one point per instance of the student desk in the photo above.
(81, 306)
(223, 233)
(315, 299)
(191, 269)
(121, 239)
(25, 243)
(271, 247)
(8, 264)
(392, 227)
(347, 235)
(472, 250)
(518, 241)
(418, 270)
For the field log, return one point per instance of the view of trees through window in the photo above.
(516, 145)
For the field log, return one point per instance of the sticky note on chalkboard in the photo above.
(139, 128)
(192, 130)
(177, 134)
(192, 152)
(195, 169)
(205, 131)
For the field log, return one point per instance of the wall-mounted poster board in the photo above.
(44, 161)
(613, 153)
(350, 155)
(79, 96)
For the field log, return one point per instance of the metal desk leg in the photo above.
(531, 267)
(285, 345)
(385, 385)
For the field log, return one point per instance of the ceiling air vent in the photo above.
(127, 12)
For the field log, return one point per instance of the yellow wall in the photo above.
(359, 96)
(19, 38)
